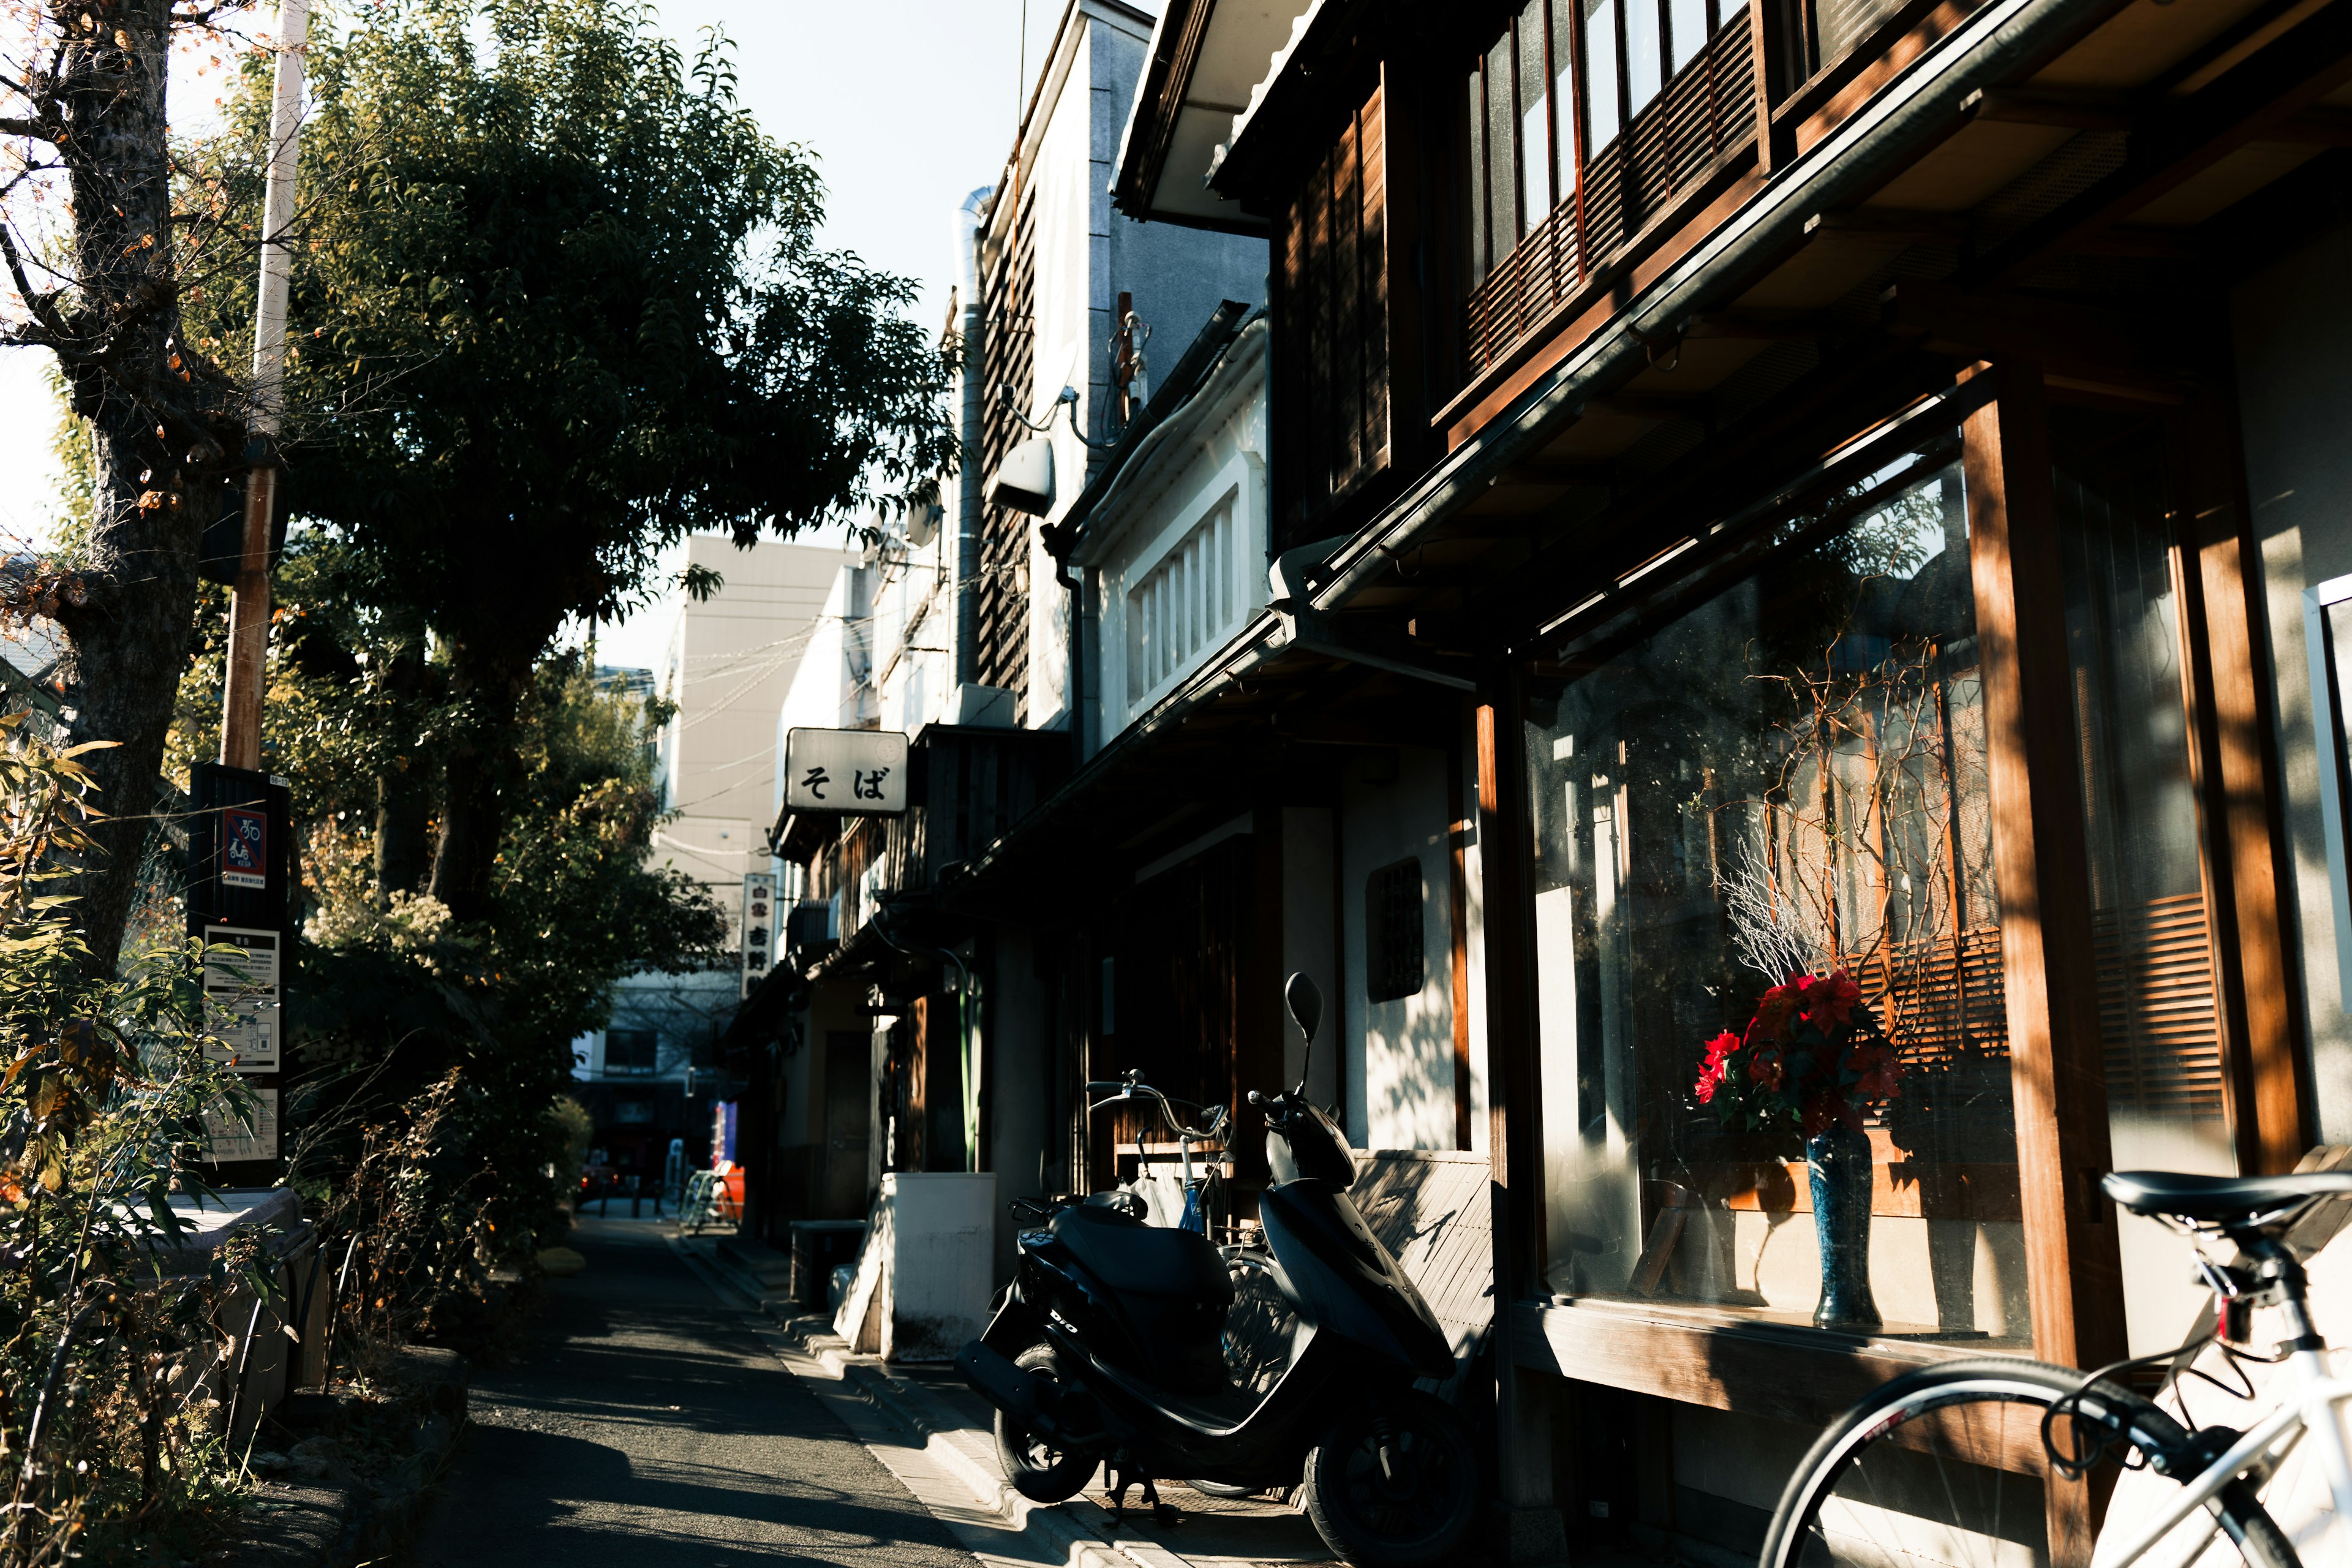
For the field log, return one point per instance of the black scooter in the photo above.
(1107, 1347)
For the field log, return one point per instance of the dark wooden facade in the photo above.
(1565, 340)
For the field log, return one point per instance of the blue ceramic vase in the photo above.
(1837, 1168)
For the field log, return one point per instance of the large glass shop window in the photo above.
(1787, 778)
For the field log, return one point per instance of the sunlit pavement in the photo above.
(650, 1427)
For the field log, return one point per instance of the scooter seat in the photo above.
(1128, 1254)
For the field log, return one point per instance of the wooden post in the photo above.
(248, 619)
(1457, 838)
(1767, 39)
(2041, 862)
(1527, 1526)
(2258, 972)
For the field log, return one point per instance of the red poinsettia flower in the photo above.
(1877, 1071)
(1811, 1055)
(1832, 998)
(1773, 1011)
(1710, 1075)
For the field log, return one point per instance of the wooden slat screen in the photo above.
(1009, 300)
(1332, 348)
(1706, 113)
(2158, 1026)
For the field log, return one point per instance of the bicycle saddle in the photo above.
(2233, 1203)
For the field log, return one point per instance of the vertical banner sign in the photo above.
(759, 927)
(239, 868)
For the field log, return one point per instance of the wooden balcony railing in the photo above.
(1706, 113)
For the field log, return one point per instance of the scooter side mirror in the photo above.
(1306, 1003)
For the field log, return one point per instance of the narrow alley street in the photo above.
(649, 1426)
(662, 1415)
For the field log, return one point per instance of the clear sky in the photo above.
(908, 104)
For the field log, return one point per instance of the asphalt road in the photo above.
(648, 1429)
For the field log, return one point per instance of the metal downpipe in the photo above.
(971, 222)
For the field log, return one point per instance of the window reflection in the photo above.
(1789, 774)
(2160, 1030)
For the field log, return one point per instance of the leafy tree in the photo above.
(394, 994)
(561, 304)
(98, 263)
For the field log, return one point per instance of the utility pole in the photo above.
(239, 860)
(248, 614)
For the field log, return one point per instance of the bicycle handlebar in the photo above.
(1132, 1086)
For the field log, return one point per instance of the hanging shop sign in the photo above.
(849, 773)
(759, 927)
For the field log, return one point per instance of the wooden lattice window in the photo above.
(1583, 120)
(1331, 359)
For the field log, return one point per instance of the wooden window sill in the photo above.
(1754, 1363)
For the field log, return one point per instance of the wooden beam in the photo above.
(2060, 336)
(2073, 107)
(2321, 125)
(2041, 867)
(1757, 326)
(2249, 102)
(1646, 406)
(1892, 222)
(2127, 239)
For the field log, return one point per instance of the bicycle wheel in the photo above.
(1927, 1471)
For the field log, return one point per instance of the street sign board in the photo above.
(238, 869)
(849, 773)
(759, 927)
(243, 848)
(243, 995)
(239, 1135)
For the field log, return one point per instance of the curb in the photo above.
(1070, 1536)
(1062, 1526)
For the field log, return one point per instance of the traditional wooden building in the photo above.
(1858, 478)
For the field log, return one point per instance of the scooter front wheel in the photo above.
(1393, 1483)
(1039, 1469)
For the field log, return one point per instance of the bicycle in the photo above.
(1203, 1193)
(1914, 1473)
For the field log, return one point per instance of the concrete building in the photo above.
(648, 1076)
(902, 1035)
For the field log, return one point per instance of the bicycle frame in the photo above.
(2311, 1407)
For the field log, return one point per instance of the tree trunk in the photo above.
(404, 797)
(478, 773)
(150, 437)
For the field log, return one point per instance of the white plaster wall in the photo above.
(914, 628)
(1222, 464)
(2293, 330)
(1399, 1053)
